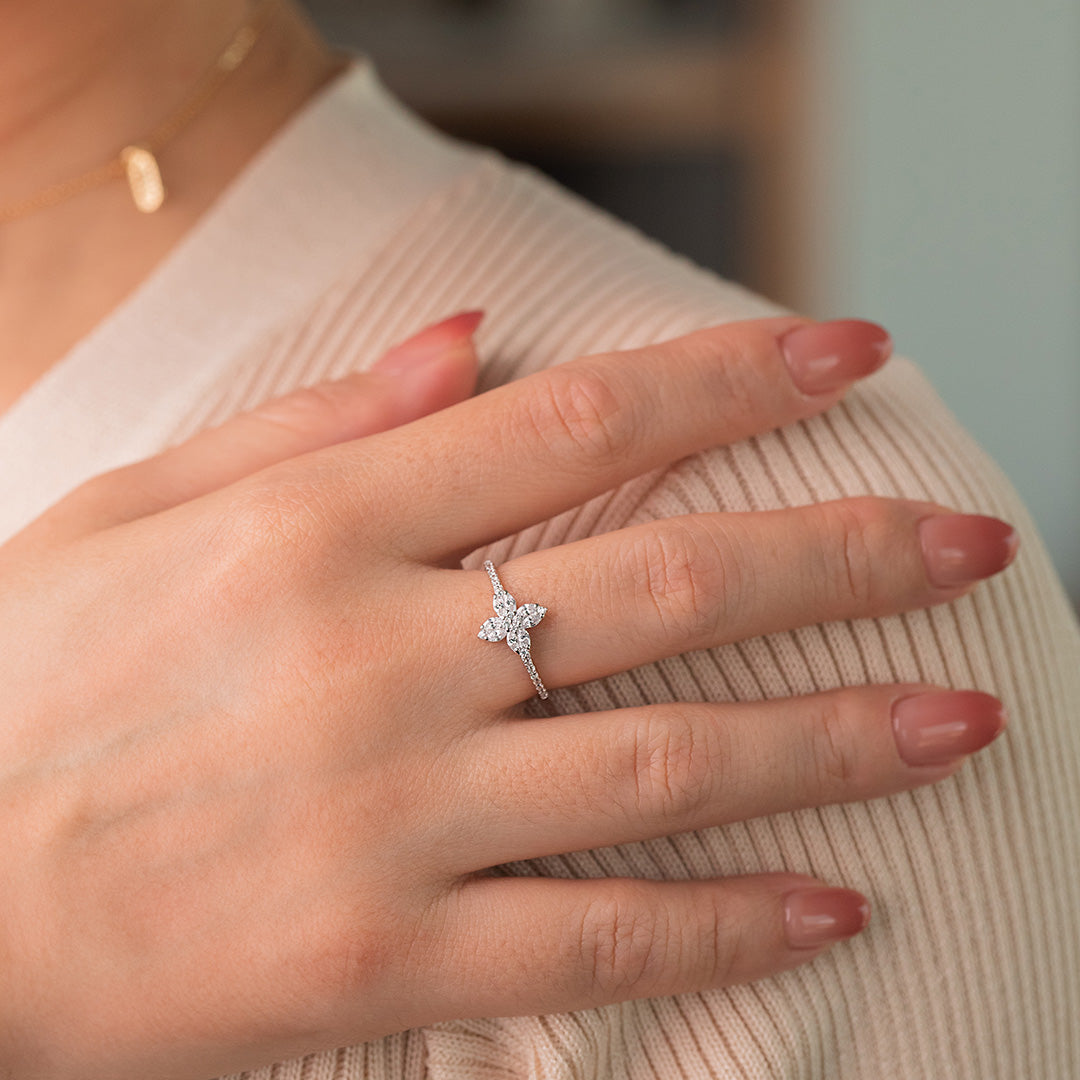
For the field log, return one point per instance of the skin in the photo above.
(77, 82)
(248, 812)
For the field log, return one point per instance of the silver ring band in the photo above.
(513, 623)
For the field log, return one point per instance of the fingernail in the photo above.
(430, 344)
(959, 549)
(814, 917)
(937, 727)
(826, 356)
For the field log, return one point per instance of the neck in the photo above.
(76, 83)
(79, 79)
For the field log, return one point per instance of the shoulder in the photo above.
(560, 278)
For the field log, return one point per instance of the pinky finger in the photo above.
(522, 946)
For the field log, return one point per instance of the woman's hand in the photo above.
(256, 761)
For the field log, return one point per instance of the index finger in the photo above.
(525, 451)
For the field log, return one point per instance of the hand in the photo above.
(257, 764)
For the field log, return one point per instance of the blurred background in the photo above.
(915, 162)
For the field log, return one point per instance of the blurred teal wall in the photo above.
(948, 158)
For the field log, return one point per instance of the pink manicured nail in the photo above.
(959, 549)
(826, 356)
(430, 344)
(937, 727)
(815, 917)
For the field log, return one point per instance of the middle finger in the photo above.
(534, 447)
(568, 783)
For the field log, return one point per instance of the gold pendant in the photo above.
(143, 177)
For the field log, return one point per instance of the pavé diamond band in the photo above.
(513, 623)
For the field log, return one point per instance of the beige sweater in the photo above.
(356, 226)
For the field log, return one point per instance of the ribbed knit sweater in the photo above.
(357, 225)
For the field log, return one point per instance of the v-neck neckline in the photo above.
(330, 186)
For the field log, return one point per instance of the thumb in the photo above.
(430, 371)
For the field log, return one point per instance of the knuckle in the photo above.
(283, 525)
(96, 489)
(258, 564)
(356, 964)
(577, 415)
(274, 517)
(286, 536)
(347, 961)
(625, 943)
(688, 576)
(733, 363)
(302, 412)
(726, 943)
(363, 938)
(673, 769)
(723, 363)
(835, 754)
(106, 495)
(855, 525)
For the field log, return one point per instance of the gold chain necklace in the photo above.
(137, 161)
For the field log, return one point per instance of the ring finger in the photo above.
(697, 581)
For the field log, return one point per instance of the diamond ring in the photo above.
(513, 623)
